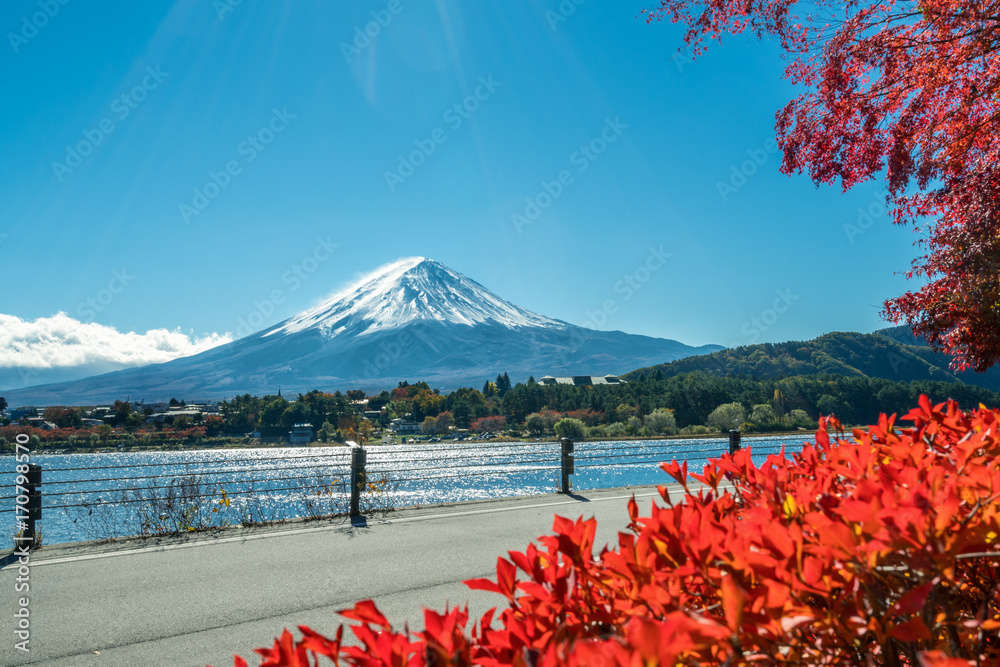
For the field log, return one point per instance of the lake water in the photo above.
(90, 496)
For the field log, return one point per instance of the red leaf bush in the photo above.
(880, 549)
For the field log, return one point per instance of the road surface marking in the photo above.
(302, 531)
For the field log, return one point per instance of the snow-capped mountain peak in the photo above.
(412, 319)
(408, 290)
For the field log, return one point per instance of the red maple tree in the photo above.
(908, 91)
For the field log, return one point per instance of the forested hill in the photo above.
(892, 354)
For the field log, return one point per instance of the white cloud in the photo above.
(60, 341)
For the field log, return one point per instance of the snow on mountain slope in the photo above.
(406, 291)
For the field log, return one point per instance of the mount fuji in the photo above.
(415, 319)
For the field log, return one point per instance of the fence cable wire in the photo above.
(583, 452)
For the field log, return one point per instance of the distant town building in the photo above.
(582, 380)
(206, 408)
(301, 434)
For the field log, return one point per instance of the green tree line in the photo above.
(691, 398)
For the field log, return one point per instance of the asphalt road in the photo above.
(198, 600)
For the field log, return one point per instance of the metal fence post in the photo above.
(566, 462)
(359, 478)
(734, 441)
(34, 505)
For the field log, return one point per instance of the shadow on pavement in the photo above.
(9, 559)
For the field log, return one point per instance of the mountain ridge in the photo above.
(892, 354)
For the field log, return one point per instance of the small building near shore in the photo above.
(402, 426)
(301, 434)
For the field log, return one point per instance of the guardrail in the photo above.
(346, 482)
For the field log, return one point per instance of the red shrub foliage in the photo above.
(192, 433)
(875, 550)
(589, 416)
(489, 424)
(12, 431)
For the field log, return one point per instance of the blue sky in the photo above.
(215, 155)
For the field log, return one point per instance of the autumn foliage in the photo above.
(489, 424)
(905, 91)
(879, 549)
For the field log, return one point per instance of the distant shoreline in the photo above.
(807, 434)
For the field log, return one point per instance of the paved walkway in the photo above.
(198, 599)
